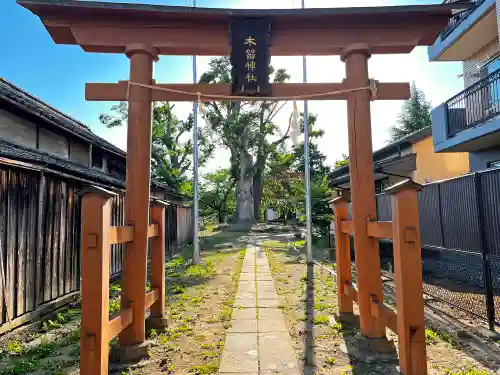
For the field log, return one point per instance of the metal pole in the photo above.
(196, 242)
(306, 164)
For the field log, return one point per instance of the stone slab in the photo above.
(246, 294)
(267, 295)
(247, 276)
(240, 353)
(244, 313)
(271, 325)
(265, 284)
(266, 303)
(263, 277)
(243, 326)
(270, 314)
(248, 289)
(276, 353)
(245, 302)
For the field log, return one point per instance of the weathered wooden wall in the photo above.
(40, 241)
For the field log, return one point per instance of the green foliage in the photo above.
(201, 271)
(467, 371)
(284, 191)
(331, 361)
(217, 195)
(171, 153)
(209, 368)
(60, 319)
(176, 288)
(14, 347)
(338, 326)
(22, 367)
(433, 337)
(343, 161)
(114, 306)
(415, 115)
(321, 319)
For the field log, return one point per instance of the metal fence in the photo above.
(477, 103)
(40, 241)
(460, 237)
(457, 19)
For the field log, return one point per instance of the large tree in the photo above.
(172, 147)
(415, 115)
(248, 131)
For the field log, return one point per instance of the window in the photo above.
(97, 156)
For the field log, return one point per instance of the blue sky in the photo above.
(57, 73)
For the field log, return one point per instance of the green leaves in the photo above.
(172, 146)
(415, 115)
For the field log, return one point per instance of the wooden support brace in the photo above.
(379, 229)
(118, 91)
(346, 227)
(153, 230)
(96, 216)
(151, 297)
(343, 253)
(351, 292)
(121, 234)
(119, 323)
(385, 315)
(408, 278)
(157, 213)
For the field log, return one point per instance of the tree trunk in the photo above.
(244, 190)
(257, 195)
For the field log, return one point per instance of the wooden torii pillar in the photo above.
(143, 32)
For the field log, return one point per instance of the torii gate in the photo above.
(143, 32)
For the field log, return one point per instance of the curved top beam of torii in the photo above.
(175, 30)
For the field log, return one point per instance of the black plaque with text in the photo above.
(250, 56)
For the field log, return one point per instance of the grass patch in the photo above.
(433, 337)
(201, 271)
(331, 361)
(14, 347)
(467, 371)
(60, 319)
(209, 368)
(321, 319)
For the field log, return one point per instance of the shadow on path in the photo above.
(309, 357)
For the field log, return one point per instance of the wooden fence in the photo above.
(40, 224)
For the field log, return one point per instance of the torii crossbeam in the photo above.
(143, 32)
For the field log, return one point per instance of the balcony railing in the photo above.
(457, 19)
(475, 104)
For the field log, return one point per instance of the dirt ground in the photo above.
(199, 305)
(326, 346)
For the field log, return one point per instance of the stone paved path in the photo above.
(258, 341)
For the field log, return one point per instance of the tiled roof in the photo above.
(14, 151)
(27, 102)
(20, 153)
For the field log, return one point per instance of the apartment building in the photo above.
(470, 120)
